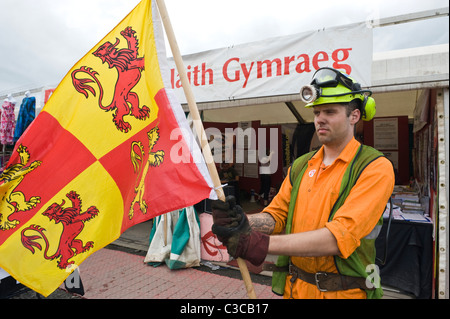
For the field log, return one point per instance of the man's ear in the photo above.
(355, 116)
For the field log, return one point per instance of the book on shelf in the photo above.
(407, 197)
(414, 217)
(408, 204)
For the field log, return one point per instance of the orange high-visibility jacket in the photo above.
(355, 219)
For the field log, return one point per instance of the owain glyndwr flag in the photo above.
(110, 149)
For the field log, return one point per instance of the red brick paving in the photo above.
(112, 274)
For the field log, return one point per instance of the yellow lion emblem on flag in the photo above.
(154, 159)
(12, 201)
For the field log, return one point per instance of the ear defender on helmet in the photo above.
(329, 86)
(368, 108)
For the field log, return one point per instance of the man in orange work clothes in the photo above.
(325, 218)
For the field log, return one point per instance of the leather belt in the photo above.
(324, 281)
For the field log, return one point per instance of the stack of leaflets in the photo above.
(410, 204)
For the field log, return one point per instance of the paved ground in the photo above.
(116, 274)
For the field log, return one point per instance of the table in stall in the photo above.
(409, 258)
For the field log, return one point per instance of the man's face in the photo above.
(333, 126)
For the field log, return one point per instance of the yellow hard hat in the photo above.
(330, 86)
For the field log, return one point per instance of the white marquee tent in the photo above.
(399, 79)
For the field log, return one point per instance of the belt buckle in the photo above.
(316, 277)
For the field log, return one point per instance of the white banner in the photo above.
(276, 66)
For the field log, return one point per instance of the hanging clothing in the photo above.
(7, 123)
(27, 113)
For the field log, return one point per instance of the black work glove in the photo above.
(230, 225)
(227, 216)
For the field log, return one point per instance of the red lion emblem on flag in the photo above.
(129, 67)
(72, 220)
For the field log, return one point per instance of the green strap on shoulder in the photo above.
(364, 156)
(298, 168)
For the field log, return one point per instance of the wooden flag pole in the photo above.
(198, 126)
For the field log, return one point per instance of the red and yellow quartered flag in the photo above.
(110, 149)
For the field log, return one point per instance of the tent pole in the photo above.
(199, 129)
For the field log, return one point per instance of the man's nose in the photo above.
(319, 118)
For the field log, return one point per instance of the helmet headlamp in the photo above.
(331, 86)
(309, 93)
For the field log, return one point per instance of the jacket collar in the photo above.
(346, 155)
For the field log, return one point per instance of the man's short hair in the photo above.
(353, 105)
